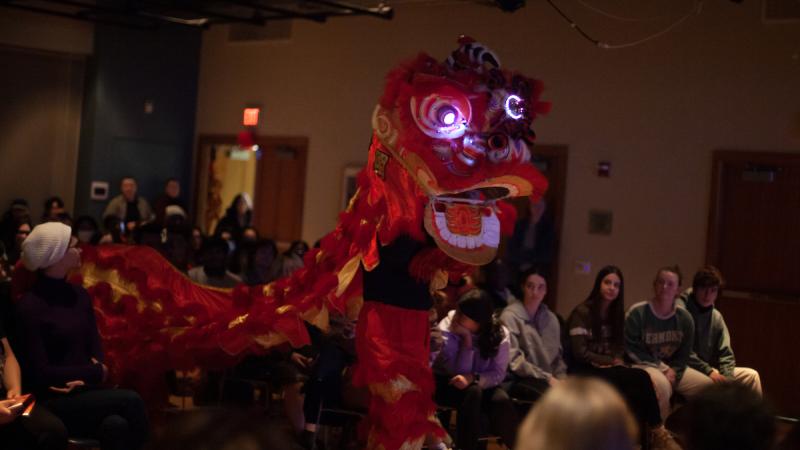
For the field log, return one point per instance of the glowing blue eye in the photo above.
(514, 106)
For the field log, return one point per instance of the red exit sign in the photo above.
(250, 118)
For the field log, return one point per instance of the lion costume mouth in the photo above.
(465, 225)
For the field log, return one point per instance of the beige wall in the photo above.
(656, 111)
(25, 29)
(39, 127)
(41, 87)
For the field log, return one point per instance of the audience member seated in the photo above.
(535, 355)
(176, 248)
(238, 216)
(113, 231)
(712, 354)
(579, 414)
(17, 214)
(86, 230)
(658, 339)
(60, 351)
(13, 253)
(470, 367)
(196, 242)
(728, 416)
(290, 260)
(257, 260)
(170, 197)
(214, 271)
(53, 209)
(150, 235)
(39, 429)
(129, 207)
(596, 330)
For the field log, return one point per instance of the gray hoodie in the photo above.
(535, 350)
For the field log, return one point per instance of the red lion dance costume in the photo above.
(450, 141)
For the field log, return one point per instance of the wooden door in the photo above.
(754, 239)
(280, 188)
(279, 184)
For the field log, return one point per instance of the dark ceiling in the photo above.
(150, 14)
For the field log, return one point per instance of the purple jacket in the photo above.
(454, 360)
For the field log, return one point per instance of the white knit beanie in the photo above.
(174, 210)
(45, 245)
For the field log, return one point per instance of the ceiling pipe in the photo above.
(284, 13)
(381, 11)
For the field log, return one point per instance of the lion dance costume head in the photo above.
(461, 130)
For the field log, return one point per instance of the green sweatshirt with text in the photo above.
(659, 341)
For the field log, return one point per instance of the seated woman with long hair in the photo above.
(535, 353)
(469, 368)
(596, 330)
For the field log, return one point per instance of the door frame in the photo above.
(715, 220)
(232, 139)
(759, 322)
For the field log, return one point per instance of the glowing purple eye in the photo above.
(449, 118)
(440, 117)
(515, 107)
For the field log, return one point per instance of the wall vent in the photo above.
(780, 11)
(276, 30)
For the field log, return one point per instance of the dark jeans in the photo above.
(526, 389)
(473, 401)
(41, 430)
(115, 417)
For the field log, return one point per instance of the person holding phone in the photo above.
(37, 430)
(60, 350)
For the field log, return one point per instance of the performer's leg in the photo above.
(393, 346)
